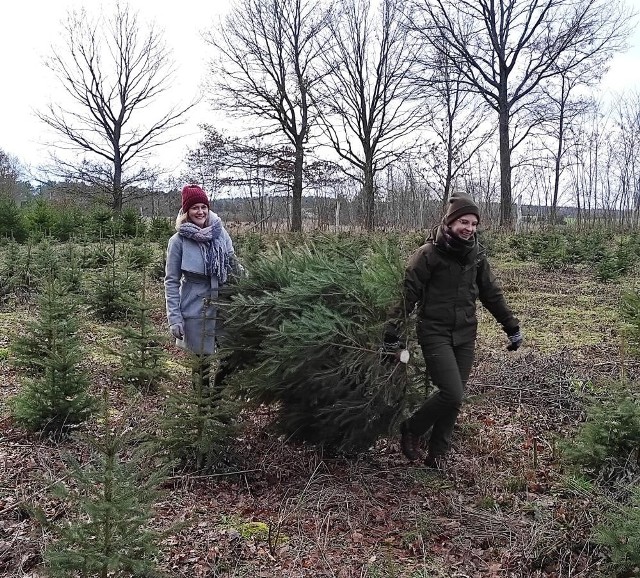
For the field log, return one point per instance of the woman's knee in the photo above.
(452, 396)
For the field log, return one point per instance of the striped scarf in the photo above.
(210, 239)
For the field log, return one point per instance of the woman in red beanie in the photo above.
(200, 258)
(443, 280)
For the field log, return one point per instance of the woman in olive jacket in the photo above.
(444, 278)
(200, 257)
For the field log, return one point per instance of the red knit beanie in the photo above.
(192, 194)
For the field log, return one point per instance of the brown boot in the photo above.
(409, 443)
(435, 462)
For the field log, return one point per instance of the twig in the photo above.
(217, 475)
(522, 389)
(30, 498)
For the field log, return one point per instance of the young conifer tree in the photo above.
(307, 326)
(141, 353)
(109, 532)
(10, 270)
(113, 288)
(630, 316)
(199, 423)
(56, 397)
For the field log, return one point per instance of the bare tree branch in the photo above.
(506, 49)
(369, 105)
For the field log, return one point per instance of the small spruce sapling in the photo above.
(57, 397)
(198, 424)
(142, 355)
(112, 289)
(111, 499)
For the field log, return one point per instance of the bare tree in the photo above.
(112, 70)
(626, 145)
(458, 121)
(9, 174)
(206, 164)
(564, 106)
(369, 104)
(506, 48)
(591, 134)
(266, 72)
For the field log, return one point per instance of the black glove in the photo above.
(515, 337)
(390, 341)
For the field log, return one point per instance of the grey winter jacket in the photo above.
(190, 294)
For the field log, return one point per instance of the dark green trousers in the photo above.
(448, 367)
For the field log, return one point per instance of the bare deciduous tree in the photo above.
(207, 162)
(112, 70)
(266, 72)
(9, 174)
(626, 147)
(369, 104)
(506, 48)
(564, 105)
(458, 124)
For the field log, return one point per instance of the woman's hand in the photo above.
(177, 330)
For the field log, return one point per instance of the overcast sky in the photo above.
(29, 27)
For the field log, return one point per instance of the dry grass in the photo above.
(502, 508)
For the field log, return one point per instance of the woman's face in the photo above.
(198, 214)
(465, 226)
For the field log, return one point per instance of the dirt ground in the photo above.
(502, 507)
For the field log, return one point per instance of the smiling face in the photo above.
(198, 214)
(465, 226)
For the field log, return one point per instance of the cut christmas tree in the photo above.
(304, 331)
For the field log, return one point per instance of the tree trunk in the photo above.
(296, 201)
(117, 187)
(449, 176)
(368, 197)
(506, 219)
(556, 180)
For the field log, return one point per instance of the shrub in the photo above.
(608, 269)
(586, 248)
(198, 425)
(69, 223)
(41, 218)
(142, 355)
(620, 534)
(130, 224)
(57, 397)
(138, 254)
(553, 253)
(608, 441)
(160, 229)
(113, 289)
(12, 223)
(519, 244)
(630, 312)
(109, 530)
(99, 224)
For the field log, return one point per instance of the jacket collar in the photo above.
(464, 252)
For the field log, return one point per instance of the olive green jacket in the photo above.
(445, 287)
